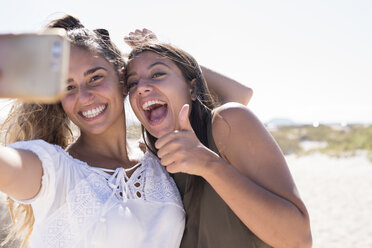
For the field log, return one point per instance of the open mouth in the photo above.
(93, 113)
(155, 111)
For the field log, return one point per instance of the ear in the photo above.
(193, 89)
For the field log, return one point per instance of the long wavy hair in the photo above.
(49, 122)
(201, 108)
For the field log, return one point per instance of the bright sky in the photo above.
(305, 60)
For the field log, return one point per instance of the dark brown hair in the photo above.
(201, 108)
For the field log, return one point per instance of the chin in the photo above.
(158, 133)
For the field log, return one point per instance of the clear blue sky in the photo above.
(305, 60)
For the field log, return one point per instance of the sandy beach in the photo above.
(338, 195)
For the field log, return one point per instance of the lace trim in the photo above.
(160, 186)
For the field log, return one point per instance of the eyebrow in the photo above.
(88, 72)
(152, 65)
(159, 63)
(93, 70)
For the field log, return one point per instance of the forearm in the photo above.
(274, 219)
(227, 89)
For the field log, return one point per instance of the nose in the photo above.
(85, 96)
(143, 87)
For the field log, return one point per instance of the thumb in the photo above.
(183, 118)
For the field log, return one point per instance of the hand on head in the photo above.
(139, 37)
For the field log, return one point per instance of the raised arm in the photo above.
(20, 173)
(227, 89)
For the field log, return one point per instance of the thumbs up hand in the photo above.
(183, 118)
(181, 150)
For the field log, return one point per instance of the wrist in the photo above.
(213, 168)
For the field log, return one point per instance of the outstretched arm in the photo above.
(227, 89)
(20, 173)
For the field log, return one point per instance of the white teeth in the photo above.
(148, 104)
(93, 112)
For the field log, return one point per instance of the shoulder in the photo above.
(34, 144)
(159, 186)
(232, 111)
(233, 116)
(49, 161)
(53, 157)
(153, 167)
(149, 158)
(41, 148)
(233, 124)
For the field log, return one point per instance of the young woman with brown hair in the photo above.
(236, 187)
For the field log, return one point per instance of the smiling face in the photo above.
(157, 92)
(94, 98)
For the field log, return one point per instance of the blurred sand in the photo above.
(338, 195)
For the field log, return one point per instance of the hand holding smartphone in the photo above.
(34, 67)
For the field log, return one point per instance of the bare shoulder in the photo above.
(244, 142)
(231, 117)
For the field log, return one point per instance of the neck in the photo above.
(106, 150)
(114, 146)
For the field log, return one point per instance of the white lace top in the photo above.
(83, 206)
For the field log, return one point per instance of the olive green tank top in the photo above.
(215, 225)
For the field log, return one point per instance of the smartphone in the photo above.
(34, 66)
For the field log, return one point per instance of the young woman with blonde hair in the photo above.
(85, 192)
